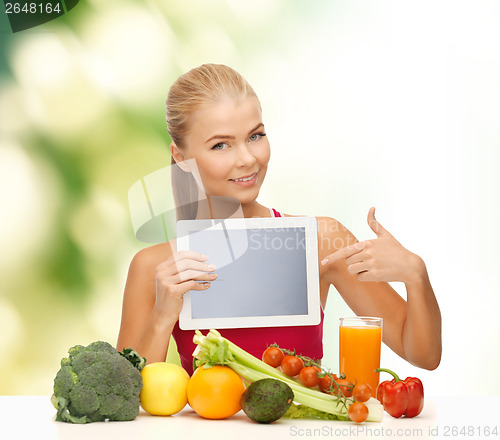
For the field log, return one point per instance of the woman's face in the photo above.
(229, 144)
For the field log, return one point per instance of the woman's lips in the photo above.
(247, 181)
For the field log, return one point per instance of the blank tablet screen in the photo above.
(261, 272)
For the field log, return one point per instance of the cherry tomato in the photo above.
(326, 383)
(345, 387)
(291, 365)
(309, 376)
(358, 412)
(273, 356)
(362, 392)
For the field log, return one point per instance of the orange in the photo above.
(215, 393)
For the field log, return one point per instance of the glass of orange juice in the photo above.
(359, 344)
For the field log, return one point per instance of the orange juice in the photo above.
(360, 353)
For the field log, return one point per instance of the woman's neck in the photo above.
(226, 207)
(254, 209)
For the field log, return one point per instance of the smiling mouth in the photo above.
(245, 179)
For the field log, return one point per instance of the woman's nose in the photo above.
(245, 158)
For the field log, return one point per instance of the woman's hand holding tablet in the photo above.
(182, 272)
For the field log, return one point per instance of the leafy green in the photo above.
(297, 411)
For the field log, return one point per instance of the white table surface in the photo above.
(443, 417)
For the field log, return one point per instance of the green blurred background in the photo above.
(83, 118)
(401, 100)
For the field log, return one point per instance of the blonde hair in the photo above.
(200, 87)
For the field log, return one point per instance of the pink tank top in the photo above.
(306, 340)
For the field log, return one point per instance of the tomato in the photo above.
(362, 392)
(309, 376)
(291, 365)
(326, 383)
(273, 356)
(215, 393)
(164, 388)
(358, 412)
(345, 387)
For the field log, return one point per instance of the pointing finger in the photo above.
(344, 253)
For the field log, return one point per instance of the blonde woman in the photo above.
(214, 119)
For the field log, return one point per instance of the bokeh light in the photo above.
(125, 32)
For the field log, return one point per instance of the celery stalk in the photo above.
(213, 349)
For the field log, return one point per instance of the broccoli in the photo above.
(97, 383)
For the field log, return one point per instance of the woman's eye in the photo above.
(219, 146)
(256, 136)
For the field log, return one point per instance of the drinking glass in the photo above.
(359, 344)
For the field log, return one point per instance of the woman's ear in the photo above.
(179, 158)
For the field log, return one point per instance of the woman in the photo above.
(214, 119)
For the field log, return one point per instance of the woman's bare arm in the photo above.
(142, 328)
(412, 328)
(157, 280)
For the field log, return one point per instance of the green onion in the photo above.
(214, 349)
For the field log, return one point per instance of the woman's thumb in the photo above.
(374, 224)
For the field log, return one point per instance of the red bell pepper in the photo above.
(401, 397)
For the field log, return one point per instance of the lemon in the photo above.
(164, 389)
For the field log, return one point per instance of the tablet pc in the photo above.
(267, 272)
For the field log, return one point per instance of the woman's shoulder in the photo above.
(329, 225)
(332, 234)
(325, 224)
(151, 256)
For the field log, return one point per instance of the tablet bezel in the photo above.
(185, 227)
